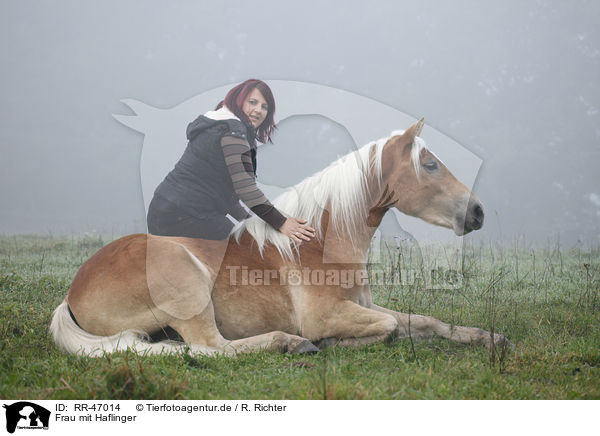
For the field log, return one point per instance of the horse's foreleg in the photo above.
(419, 326)
(202, 330)
(349, 324)
(275, 341)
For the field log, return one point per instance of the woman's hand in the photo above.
(296, 230)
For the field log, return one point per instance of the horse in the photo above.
(258, 290)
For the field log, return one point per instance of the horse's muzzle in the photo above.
(474, 217)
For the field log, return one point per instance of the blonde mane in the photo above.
(341, 188)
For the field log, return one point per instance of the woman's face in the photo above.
(255, 107)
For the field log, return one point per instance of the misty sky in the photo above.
(516, 83)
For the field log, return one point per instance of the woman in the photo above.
(218, 169)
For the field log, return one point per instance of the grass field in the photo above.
(547, 301)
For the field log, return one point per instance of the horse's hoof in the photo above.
(304, 347)
(502, 342)
(326, 343)
(505, 343)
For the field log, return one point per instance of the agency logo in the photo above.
(26, 415)
(316, 125)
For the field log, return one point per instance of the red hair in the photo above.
(234, 101)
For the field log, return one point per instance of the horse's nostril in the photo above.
(478, 211)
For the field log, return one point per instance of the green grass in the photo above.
(547, 301)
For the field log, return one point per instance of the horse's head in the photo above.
(417, 183)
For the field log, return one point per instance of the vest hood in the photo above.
(211, 118)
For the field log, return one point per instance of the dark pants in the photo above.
(167, 219)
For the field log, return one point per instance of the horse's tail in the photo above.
(73, 339)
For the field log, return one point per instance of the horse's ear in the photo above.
(420, 124)
(414, 130)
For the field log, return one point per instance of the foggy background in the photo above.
(515, 83)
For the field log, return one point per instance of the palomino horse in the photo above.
(258, 290)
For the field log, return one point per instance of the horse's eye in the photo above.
(430, 165)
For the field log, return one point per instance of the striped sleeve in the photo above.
(238, 159)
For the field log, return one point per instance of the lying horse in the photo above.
(230, 296)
